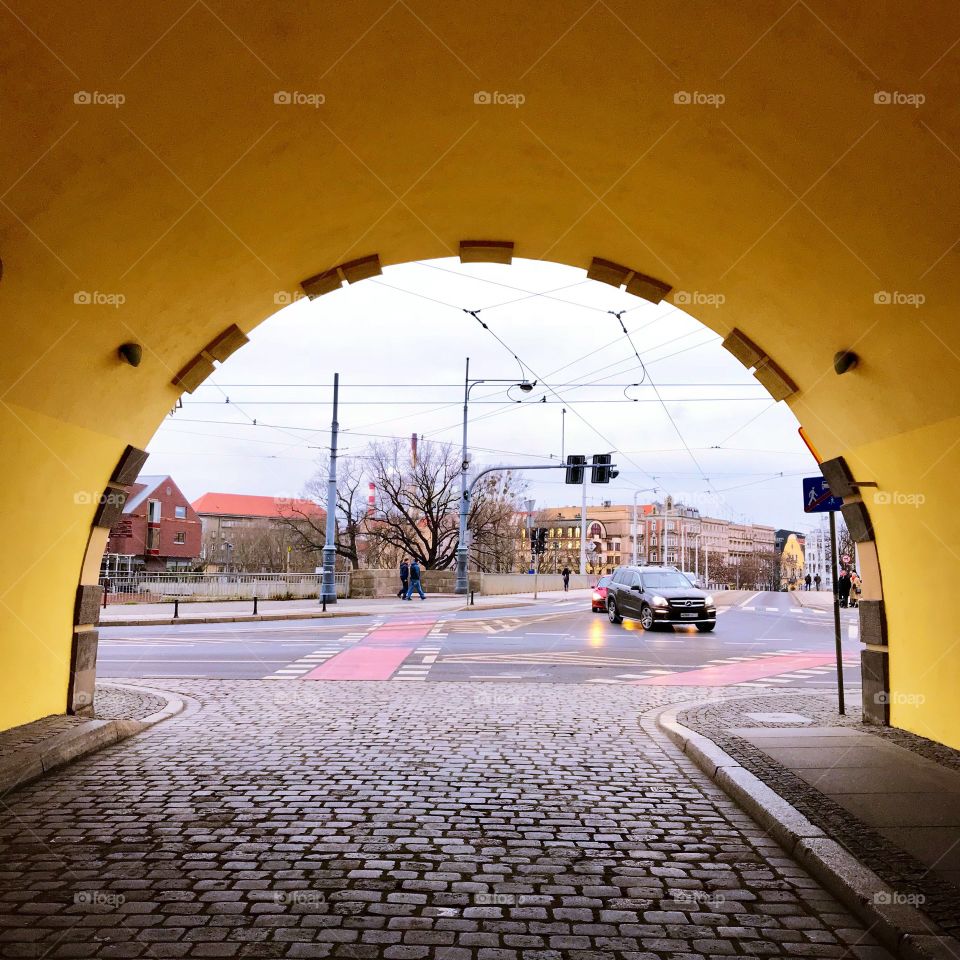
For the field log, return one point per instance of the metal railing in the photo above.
(157, 587)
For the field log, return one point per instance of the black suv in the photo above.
(659, 595)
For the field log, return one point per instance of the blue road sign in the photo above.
(817, 497)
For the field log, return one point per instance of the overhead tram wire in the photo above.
(666, 409)
(570, 405)
(744, 426)
(529, 293)
(763, 478)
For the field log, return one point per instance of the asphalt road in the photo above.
(767, 640)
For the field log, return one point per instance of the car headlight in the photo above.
(658, 601)
(708, 601)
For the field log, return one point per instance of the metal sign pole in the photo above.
(836, 612)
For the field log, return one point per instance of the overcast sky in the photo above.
(698, 427)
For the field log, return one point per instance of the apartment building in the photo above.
(157, 531)
(667, 532)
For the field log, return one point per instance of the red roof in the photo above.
(248, 505)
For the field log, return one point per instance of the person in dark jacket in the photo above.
(843, 588)
(404, 578)
(565, 573)
(414, 581)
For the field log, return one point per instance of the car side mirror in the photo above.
(637, 587)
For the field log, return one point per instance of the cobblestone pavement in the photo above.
(899, 869)
(449, 821)
(124, 703)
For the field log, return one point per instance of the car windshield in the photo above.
(603, 581)
(664, 579)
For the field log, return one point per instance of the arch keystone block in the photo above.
(87, 609)
(857, 518)
(838, 476)
(201, 366)
(129, 466)
(770, 374)
(617, 275)
(334, 278)
(486, 251)
(110, 507)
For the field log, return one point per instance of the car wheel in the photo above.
(613, 613)
(705, 627)
(646, 618)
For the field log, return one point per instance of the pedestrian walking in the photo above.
(806, 582)
(404, 578)
(843, 588)
(565, 573)
(817, 580)
(856, 588)
(414, 581)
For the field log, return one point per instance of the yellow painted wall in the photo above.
(917, 528)
(198, 199)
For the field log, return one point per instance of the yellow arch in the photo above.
(205, 194)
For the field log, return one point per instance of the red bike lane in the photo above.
(377, 656)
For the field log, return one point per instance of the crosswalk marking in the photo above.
(558, 657)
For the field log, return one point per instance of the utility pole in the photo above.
(529, 504)
(462, 584)
(583, 526)
(328, 586)
(838, 643)
(563, 434)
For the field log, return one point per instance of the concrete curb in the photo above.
(900, 927)
(304, 615)
(32, 763)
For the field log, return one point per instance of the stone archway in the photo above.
(179, 178)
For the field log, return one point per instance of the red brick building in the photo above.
(158, 530)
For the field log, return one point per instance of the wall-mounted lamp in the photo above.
(131, 353)
(845, 360)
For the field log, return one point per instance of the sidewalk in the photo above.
(29, 751)
(231, 611)
(815, 599)
(890, 798)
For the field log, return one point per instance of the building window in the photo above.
(596, 530)
(153, 511)
(179, 538)
(180, 513)
(153, 538)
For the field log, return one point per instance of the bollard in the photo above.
(324, 603)
(176, 608)
(255, 606)
(471, 598)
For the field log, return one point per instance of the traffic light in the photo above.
(575, 468)
(540, 539)
(601, 471)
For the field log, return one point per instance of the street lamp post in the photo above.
(463, 548)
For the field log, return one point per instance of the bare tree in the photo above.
(309, 528)
(494, 521)
(418, 508)
(261, 547)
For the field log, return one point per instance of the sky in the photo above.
(683, 417)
